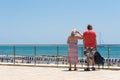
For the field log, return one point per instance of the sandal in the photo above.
(75, 69)
(69, 69)
(93, 68)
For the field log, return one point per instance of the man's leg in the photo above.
(88, 61)
(93, 62)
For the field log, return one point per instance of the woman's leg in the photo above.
(70, 67)
(75, 67)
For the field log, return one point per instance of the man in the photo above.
(89, 42)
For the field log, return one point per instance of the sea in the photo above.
(106, 50)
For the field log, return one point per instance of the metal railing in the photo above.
(54, 54)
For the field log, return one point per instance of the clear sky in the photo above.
(51, 21)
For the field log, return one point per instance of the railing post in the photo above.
(108, 57)
(14, 54)
(57, 55)
(82, 56)
(34, 55)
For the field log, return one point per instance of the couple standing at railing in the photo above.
(89, 42)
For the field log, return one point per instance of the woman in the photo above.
(73, 48)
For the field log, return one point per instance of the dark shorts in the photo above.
(89, 50)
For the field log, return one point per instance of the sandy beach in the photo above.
(50, 73)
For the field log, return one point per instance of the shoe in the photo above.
(93, 68)
(75, 69)
(69, 69)
(87, 69)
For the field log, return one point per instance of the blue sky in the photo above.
(51, 21)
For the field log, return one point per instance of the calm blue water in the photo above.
(112, 51)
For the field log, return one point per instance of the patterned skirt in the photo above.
(73, 53)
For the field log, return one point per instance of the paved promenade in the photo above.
(50, 73)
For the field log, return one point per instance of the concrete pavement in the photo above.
(50, 73)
